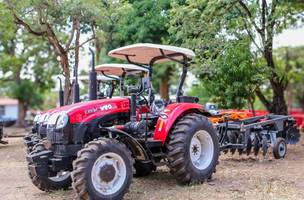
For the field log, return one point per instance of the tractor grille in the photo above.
(55, 136)
(42, 130)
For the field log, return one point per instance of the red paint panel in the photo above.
(87, 111)
(80, 112)
(169, 116)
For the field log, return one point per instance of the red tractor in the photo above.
(106, 139)
(106, 86)
(48, 122)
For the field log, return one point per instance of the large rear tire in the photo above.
(102, 170)
(193, 149)
(60, 181)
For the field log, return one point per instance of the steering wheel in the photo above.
(158, 106)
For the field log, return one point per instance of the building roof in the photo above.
(8, 101)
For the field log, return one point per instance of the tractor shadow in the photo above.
(8, 145)
(160, 176)
(247, 159)
(162, 184)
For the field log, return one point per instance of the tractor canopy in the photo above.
(146, 53)
(100, 77)
(120, 70)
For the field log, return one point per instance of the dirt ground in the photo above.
(237, 177)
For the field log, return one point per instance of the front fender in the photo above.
(89, 129)
(170, 115)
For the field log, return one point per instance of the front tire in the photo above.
(61, 180)
(193, 149)
(102, 170)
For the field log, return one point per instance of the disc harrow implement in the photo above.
(258, 134)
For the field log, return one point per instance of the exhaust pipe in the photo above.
(76, 95)
(61, 97)
(93, 79)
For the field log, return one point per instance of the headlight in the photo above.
(36, 118)
(62, 120)
(41, 118)
(53, 119)
(47, 116)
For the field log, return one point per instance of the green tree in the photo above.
(26, 64)
(146, 21)
(59, 23)
(209, 26)
(290, 62)
(231, 80)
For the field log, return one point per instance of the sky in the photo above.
(290, 37)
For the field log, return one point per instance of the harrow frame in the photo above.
(267, 129)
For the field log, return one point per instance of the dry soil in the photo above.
(237, 177)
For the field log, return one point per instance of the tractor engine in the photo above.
(136, 128)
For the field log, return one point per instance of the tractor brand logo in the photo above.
(91, 110)
(106, 107)
(101, 108)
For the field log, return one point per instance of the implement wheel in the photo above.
(280, 148)
(193, 149)
(102, 170)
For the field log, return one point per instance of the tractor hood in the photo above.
(86, 111)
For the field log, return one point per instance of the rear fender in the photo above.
(171, 114)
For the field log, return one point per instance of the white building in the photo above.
(9, 108)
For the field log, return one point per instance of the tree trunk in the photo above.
(22, 109)
(279, 105)
(98, 48)
(251, 105)
(290, 96)
(164, 88)
(67, 84)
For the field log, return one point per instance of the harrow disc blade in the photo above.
(233, 140)
(293, 135)
(264, 145)
(240, 141)
(256, 145)
(249, 146)
(232, 151)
